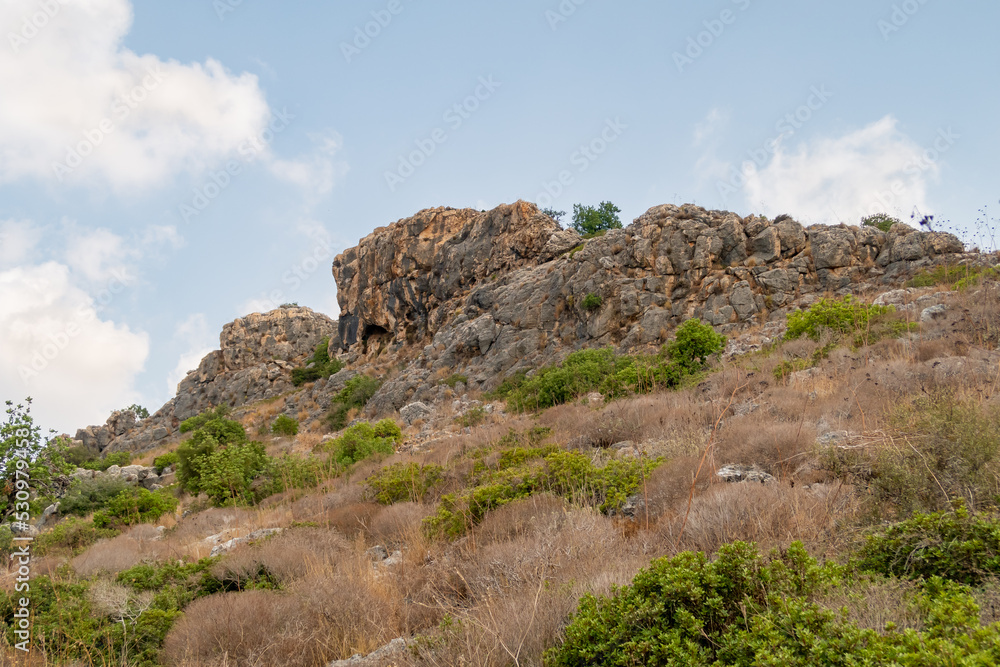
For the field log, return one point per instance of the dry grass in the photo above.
(141, 543)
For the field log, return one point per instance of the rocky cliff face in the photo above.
(254, 361)
(509, 311)
(488, 294)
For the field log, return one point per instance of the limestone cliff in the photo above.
(412, 289)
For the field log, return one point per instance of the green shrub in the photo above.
(225, 474)
(77, 456)
(133, 506)
(120, 459)
(592, 301)
(742, 609)
(590, 221)
(362, 440)
(523, 471)
(285, 425)
(165, 461)
(192, 453)
(292, 472)
(953, 545)
(355, 394)
(319, 366)
(88, 495)
(72, 534)
(474, 416)
(615, 375)
(955, 277)
(405, 482)
(881, 221)
(454, 379)
(196, 422)
(844, 316)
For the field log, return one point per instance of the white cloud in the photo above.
(18, 239)
(55, 347)
(710, 126)
(316, 173)
(194, 335)
(139, 119)
(876, 168)
(97, 254)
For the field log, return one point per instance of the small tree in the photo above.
(554, 214)
(28, 466)
(881, 221)
(590, 221)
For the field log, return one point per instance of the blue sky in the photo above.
(232, 148)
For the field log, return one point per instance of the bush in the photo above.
(954, 452)
(225, 474)
(89, 495)
(590, 221)
(405, 482)
(615, 375)
(957, 277)
(355, 394)
(134, 505)
(844, 316)
(474, 416)
(192, 453)
(72, 534)
(165, 461)
(742, 609)
(953, 545)
(285, 425)
(318, 367)
(120, 459)
(77, 456)
(592, 301)
(523, 471)
(881, 221)
(362, 440)
(454, 379)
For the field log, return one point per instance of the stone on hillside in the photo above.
(933, 313)
(744, 473)
(414, 411)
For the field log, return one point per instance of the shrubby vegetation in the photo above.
(616, 375)
(590, 221)
(318, 367)
(867, 323)
(89, 495)
(362, 440)
(881, 221)
(355, 394)
(285, 425)
(743, 609)
(134, 505)
(405, 482)
(958, 277)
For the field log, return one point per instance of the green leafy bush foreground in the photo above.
(744, 609)
(616, 375)
(952, 545)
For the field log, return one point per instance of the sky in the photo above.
(167, 167)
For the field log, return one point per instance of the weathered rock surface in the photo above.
(254, 361)
(491, 294)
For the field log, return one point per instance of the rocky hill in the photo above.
(484, 295)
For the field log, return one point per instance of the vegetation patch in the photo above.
(454, 379)
(355, 394)
(134, 505)
(867, 323)
(616, 375)
(363, 440)
(744, 609)
(956, 277)
(318, 367)
(405, 482)
(285, 425)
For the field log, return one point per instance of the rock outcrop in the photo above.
(412, 286)
(254, 361)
